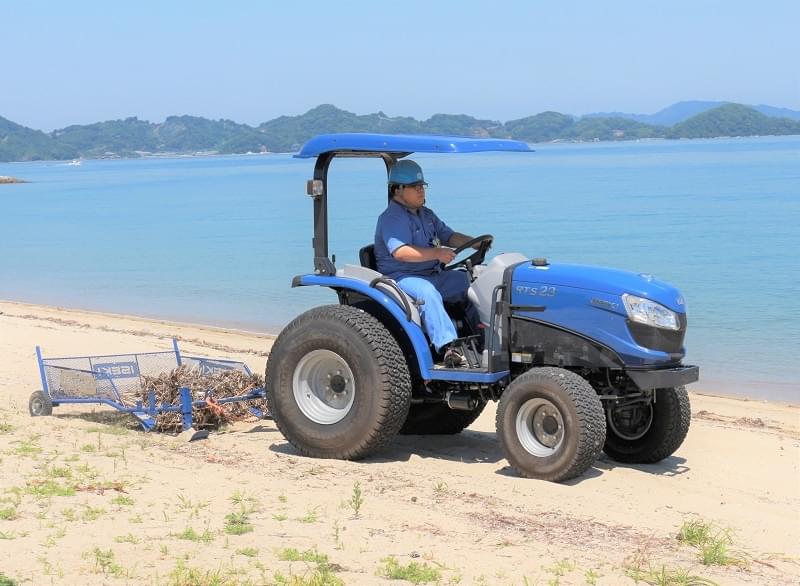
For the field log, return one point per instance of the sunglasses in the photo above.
(419, 187)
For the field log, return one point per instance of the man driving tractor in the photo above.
(412, 246)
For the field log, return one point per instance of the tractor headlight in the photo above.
(650, 313)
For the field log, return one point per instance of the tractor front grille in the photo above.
(670, 341)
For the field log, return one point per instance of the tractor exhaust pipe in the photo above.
(461, 400)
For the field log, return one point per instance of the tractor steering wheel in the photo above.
(476, 257)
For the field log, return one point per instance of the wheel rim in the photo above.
(37, 406)
(540, 427)
(631, 422)
(323, 387)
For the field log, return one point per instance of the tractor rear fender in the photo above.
(397, 305)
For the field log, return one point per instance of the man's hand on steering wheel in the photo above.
(483, 243)
(444, 255)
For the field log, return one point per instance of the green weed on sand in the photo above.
(322, 575)
(237, 524)
(413, 572)
(189, 534)
(184, 576)
(665, 576)
(715, 546)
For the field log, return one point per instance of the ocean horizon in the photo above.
(217, 239)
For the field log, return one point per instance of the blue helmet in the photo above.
(406, 172)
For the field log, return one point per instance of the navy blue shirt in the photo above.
(399, 226)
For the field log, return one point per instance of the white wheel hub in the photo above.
(323, 387)
(540, 427)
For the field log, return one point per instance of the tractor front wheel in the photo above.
(338, 384)
(645, 433)
(550, 423)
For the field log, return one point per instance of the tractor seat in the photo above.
(367, 257)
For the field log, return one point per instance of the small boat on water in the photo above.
(74, 163)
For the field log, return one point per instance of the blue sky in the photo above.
(79, 62)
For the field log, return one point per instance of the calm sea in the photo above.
(217, 240)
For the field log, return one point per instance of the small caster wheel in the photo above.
(40, 404)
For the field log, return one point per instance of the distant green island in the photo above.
(132, 137)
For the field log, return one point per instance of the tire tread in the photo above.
(674, 421)
(47, 404)
(592, 423)
(395, 394)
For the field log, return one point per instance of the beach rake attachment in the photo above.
(163, 390)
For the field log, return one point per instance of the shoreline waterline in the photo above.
(771, 393)
(221, 327)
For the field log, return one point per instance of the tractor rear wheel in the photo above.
(550, 423)
(438, 419)
(646, 433)
(338, 384)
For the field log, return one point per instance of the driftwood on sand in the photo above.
(217, 385)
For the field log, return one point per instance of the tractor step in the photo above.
(468, 347)
(442, 368)
(466, 375)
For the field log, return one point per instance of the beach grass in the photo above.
(322, 574)
(189, 534)
(715, 545)
(414, 572)
(238, 523)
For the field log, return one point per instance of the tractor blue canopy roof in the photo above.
(355, 142)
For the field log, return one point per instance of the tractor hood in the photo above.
(601, 280)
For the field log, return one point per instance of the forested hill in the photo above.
(189, 134)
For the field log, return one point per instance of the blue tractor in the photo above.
(581, 359)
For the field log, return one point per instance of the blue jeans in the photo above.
(435, 289)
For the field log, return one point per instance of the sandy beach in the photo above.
(86, 497)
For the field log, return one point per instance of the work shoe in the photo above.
(454, 358)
